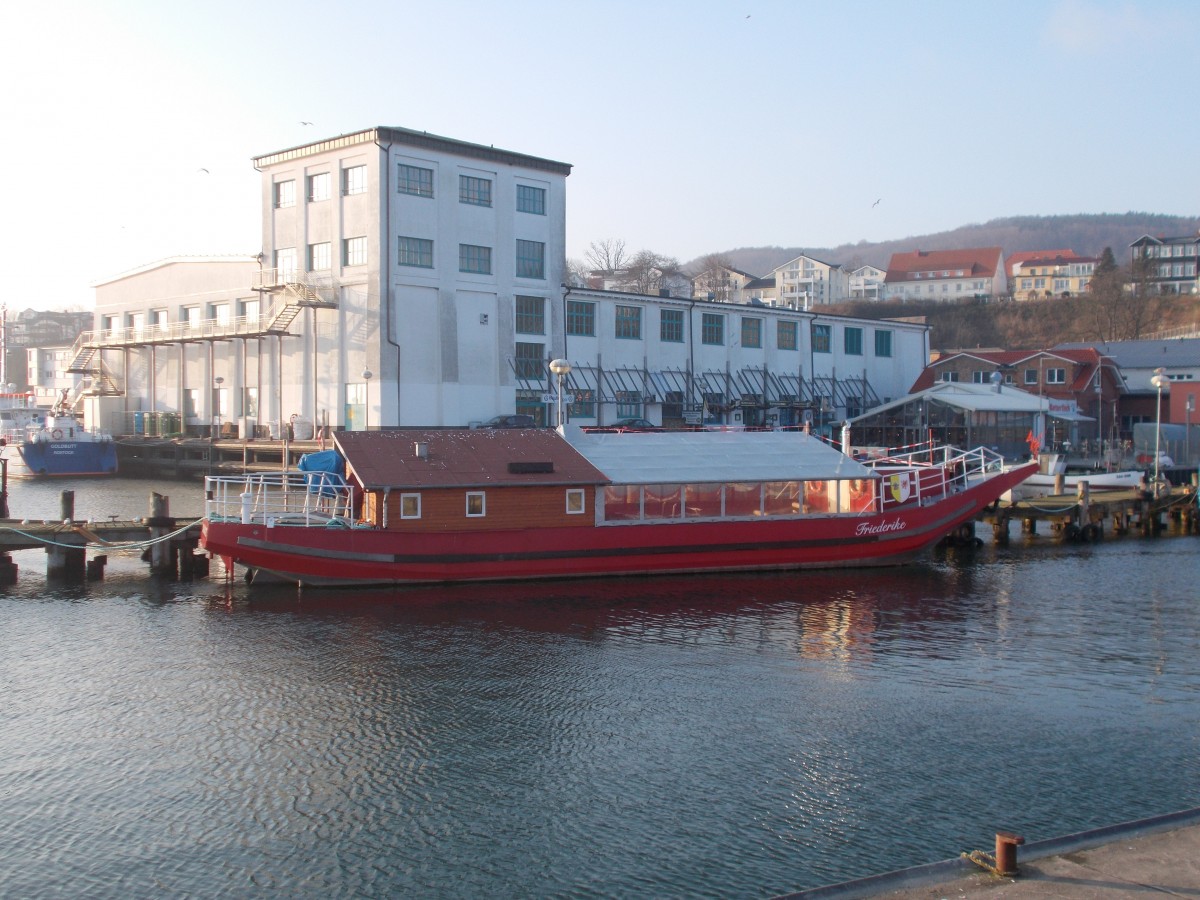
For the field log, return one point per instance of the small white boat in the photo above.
(1052, 465)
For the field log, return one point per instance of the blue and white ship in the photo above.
(58, 444)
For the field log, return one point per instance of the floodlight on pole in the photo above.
(1160, 382)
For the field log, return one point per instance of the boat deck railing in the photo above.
(281, 498)
(964, 467)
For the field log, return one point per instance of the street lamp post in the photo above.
(1160, 381)
(217, 405)
(561, 368)
(366, 377)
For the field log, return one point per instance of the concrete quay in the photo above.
(1147, 857)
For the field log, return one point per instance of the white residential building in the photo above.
(866, 283)
(805, 282)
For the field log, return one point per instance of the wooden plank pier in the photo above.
(1082, 516)
(169, 545)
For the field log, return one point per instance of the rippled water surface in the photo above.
(679, 737)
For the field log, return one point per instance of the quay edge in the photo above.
(1143, 871)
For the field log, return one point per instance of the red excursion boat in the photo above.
(450, 505)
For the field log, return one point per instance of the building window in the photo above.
(354, 251)
(852, 341)
(1031, 376)
(531, 315)
(531, 259)
(670, 326)
(629, 323)
(410, 506)
(476, 191)
(531, 200)
(285, 194)
(883, 343)
(414, 180)
(417, 252)
(575, 501)
(629, 404)
(476, 504)
(785, 335)
(285, 262)
(320, 257)
(318, 186)
(712, 329)
(979, 377)
(531, 361)
(822, 338)
(475, 259)
(581, 318)
(751, 332)
(1056, 376)
(354, 180)
(949, 377)
(584, 406)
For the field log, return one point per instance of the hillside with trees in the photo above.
(1087, 235)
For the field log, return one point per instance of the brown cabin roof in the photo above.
(460, 457)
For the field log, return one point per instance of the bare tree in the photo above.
(1146, 301)
(1107, 288)
(577, 272)
(644, 273)
(607, 255)
(713, 278)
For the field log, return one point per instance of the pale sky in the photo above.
(694, 127)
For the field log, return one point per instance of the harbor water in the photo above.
(734, 736)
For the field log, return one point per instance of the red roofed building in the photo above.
(947, 275)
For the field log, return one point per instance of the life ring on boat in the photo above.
(56, 434)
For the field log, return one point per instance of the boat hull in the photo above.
(337, 556)
(69, 458)
(1042, 485)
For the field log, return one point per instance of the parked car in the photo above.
(624, 425)
(510, 421)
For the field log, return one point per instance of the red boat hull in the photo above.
(345, 556)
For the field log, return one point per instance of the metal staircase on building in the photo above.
(293, 296)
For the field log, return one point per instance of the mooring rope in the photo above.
(92, 537)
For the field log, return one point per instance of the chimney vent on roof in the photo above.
(421, 449)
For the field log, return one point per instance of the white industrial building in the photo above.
(409, 279)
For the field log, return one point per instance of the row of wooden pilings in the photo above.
(169, 546)
(1082, 517)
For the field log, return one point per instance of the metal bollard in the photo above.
(1006, 852)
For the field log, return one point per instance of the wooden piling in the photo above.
(162, 552)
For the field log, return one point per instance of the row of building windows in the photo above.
(472, 189)
(581, 321)
(414, 180)
(319, 257)
(319, 186)
(1053, 376)
(418, 253)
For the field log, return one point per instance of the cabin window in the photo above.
(575, 501)
(622, 502)
(743, 499)
(476, 504)
(819, 496)
(410, 506)
(781, 498)
(702, 501)
(661, 501)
